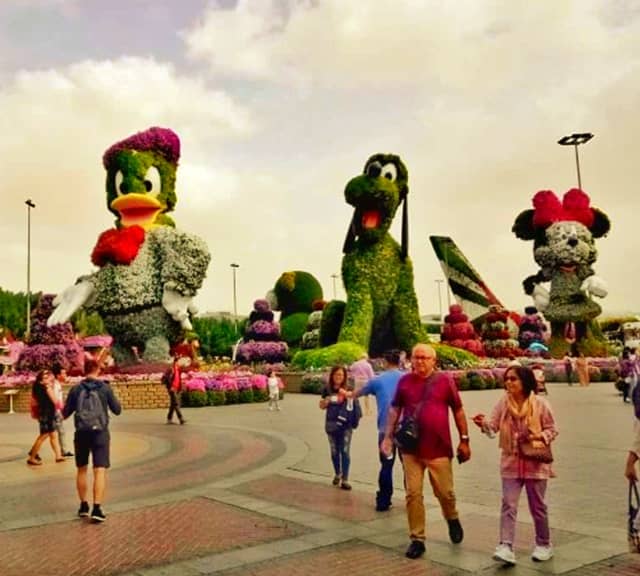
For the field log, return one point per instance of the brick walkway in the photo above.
(241, 490)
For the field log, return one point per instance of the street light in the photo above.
(439, 282)
(234, 267)
(30, 205)
(575, 140)
(334, 277)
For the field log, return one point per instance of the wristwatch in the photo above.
(464, 438)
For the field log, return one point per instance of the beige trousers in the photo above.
(441, 478)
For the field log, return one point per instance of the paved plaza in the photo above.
(241, 490)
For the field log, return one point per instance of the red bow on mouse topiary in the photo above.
(574, 207)
(118, 246)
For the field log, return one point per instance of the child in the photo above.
(541, 384)
(273, 383)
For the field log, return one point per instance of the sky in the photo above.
(279, 103)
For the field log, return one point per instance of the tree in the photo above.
(13, 311)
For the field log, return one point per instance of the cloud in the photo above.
(58, 123)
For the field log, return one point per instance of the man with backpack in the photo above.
(90, 402)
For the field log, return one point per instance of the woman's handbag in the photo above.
(633, 534)
(536, 453)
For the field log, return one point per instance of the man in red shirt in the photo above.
(434, 393)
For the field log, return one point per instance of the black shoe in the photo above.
(345, 485)
(67, 454)
(97, 515)
(383, 507)
(83, 511)
(336, 480)
(415, 550)
(456, 533)
(183, 421)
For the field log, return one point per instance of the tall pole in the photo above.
(439, 282)
(234, 267)
(334, 277)
(575, 140)
(30, 205)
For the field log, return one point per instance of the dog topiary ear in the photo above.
(350, 240)
(523, 226)
(601, 223)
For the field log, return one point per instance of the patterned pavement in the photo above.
(240, 490)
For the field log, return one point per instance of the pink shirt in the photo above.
(512, 465)
(361, 370)
(433, 420)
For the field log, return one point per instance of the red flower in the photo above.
(118, 246)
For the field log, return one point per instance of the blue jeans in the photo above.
(385, 477)
(340, 443)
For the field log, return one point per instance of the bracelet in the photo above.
(464, 438)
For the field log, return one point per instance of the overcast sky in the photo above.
(279, 103)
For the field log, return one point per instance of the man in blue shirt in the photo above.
(383, 387)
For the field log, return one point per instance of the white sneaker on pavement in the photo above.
(542, 553)
(505, 554)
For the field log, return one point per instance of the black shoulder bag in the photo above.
(407, 433)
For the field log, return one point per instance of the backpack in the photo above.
(91, 413)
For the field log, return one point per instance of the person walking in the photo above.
(90, 402)
(60, 378)
(361, 372)
(434, 393)
(521, 416)
(383, 387)
(568, 368)
(582, 369)
(172, 379)
(336, 399)
(273, 386)
(43, 397)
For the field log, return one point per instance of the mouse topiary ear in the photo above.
(601, 224)
(523, 227)
(350, 240)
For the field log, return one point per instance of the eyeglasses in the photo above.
(423, 357)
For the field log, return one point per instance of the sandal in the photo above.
(61, 459)
(34, 462)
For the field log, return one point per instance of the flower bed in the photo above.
(214, 389)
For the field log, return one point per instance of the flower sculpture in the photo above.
(532, 332)
(148, 272)
(381, 311)
(458, 332)
(498, 334)
(262, 337)
(564, 236)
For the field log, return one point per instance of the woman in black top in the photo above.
(44, 398)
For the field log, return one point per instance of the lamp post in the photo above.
(234, 267)
(439, 282)
(575, 140)
(334, 277)
(30, 205)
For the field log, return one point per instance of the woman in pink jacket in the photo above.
(521, 417)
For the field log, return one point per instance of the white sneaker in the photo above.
(542, 553)
(505, 554)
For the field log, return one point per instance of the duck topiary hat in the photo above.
(160, 140)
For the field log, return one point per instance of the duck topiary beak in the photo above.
(137, 209)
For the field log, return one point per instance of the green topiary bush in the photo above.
(332, 316)
(194, 398)
(343, 353)
(450, 357)
(245, 396)
(231, 397)
(293, 327)
(312, 383)
(261, 394)
(216, 397)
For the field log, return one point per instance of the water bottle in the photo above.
(350, 404)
